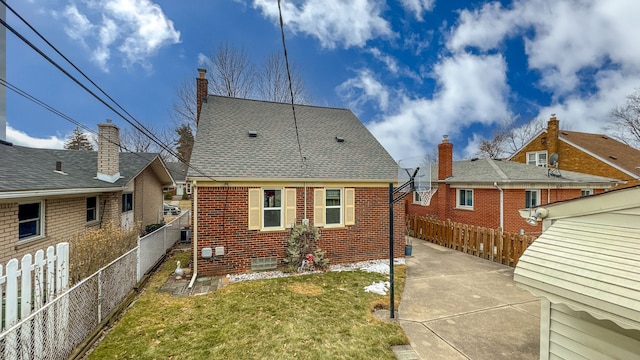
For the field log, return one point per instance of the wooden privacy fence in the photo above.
(492, 244)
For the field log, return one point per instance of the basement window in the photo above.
(266, 263)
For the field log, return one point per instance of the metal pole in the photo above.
(391, 300)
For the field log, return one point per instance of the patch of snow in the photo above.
(379, 288)
(378, 266)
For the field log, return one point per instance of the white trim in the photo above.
(340, 207)
(280, 208)
(40, 220)
(55, 192)
(464, 207)
(537, 154)
(538, 199)
(634, 176)
(108, 178)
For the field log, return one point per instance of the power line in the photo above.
(141, 128)
(286, 60)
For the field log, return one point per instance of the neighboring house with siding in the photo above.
(257, 170)
(488, 192)
(594, 154)
(178, 171)
(585, 268)
(48, 195)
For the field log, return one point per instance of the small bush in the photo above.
(91, 249)
(303, 245)
(167, 195)
(152, 227)
(185, 196)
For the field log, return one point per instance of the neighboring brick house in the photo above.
(488, 192)
(594, 154)
(256, 170)
(47, 195)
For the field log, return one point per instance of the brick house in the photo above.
(178, 171)
(255, 172)
(47, 195)
(594, 154)
(488, 192)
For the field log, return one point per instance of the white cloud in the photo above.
(333, 22)
(362, 89)
(18, 137)
(569, 44)
(418, 7)
(137, 29)
(471, 89)
(393, 65)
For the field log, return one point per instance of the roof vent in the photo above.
(605, 137)
(339, 139)
(253, 134)
(564, 133)
(475, 159)
(613, 157)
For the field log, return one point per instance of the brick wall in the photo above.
(63, 218)
(223, 221)
(486, 207)
(147, 198)
(573, 159)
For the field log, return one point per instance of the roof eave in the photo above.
(21, 194)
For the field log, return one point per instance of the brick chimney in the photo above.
(108, 152)
(202, 91)
(445, 158)
(552, 135)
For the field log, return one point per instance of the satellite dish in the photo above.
(553, 160)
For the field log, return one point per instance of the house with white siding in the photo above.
(585, 267)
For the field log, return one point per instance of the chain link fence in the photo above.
(55, 330)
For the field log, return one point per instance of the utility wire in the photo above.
(146, 132)
(286, 60)
(140, 127)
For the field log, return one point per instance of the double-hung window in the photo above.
(538, 158)
(92, 208)
(417, 199)
(30, 220)
(465, 199)
(532, 198)
(333, 206)
(586, 192)
(272, 208)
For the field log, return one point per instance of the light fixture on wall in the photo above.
(538, 214)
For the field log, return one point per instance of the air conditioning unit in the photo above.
(185, 236)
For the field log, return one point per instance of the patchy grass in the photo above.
(318, 316)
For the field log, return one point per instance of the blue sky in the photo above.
(411, 70)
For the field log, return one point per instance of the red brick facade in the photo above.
(223, 221)
(572, 158)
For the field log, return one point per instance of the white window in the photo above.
(465, 198)
(333, 206)
(586, 192)
(30, 220)
(538, 158)
(127, 202)
(272, 208)
(417, 199)
(532, 198)
(189, 188)
(92, 208)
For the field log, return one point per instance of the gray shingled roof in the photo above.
(223, 148)
(489, 170)
(178, 170)
(25, 169)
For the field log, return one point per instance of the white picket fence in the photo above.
(38, 321)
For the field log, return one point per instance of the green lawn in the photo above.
(318, 316)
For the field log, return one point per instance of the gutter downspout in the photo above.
(194, 233)
(501, 205)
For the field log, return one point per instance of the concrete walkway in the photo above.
(458, 306)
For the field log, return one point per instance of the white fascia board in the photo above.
(54, 192)
(633, 176)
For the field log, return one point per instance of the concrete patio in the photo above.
(458, 306)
